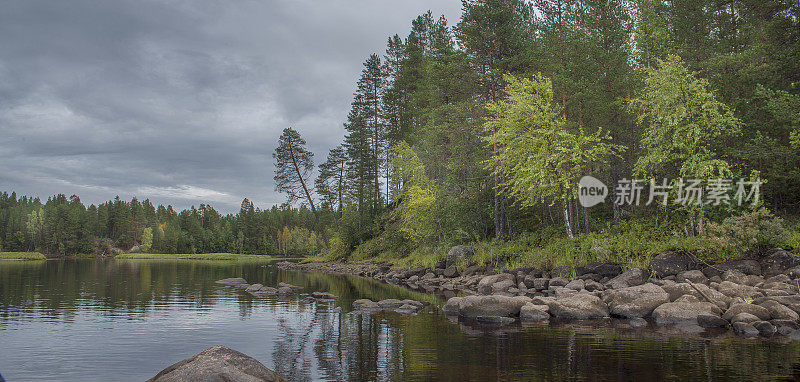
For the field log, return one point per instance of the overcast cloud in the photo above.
(181, 102)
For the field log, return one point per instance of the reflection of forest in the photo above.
(313, 342)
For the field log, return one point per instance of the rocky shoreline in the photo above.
(757, 297)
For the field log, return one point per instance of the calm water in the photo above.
(93, 320)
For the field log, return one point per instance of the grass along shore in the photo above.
(22, 256)
(191, 256)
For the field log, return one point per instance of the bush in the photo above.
(753, 231)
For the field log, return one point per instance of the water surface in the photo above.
(96, 320)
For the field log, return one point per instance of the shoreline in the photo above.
(754, 297)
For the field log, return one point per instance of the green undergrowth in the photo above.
(190, 256)
(21, 256)
(631, 243)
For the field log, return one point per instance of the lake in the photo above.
(100, 320)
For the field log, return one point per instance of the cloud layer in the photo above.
(179, 101)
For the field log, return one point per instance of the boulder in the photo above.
(778, 261)
(737, 290)
(791, 302)
(695, 276)
(745, 329)
(450, 271)
(232, 281)
(459, 254)
(576, 285)
(746, 266)
(558, 282)
(580, 306)
(531, 312)
(492, 305)
(591, 286)
(254, 288)
(636, 301)
(637, 322)
(503, 286)
(756, 310)
(391, 303)
(744, 317)
(287, 285)
(602, 269)
(779, 311)
(784, 327)
(366, 304)
(486, 283)
(218, 363)
(323, 295)
(672, 263)
(683, 311)
(711, 321)
(632, 277)
(765, 328)
(451, 306)
(285, 291)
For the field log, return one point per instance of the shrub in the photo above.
(756, 230)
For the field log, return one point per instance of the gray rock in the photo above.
(759, 311)
(784, 327)
(778, 261)
(711, 321)
(558, 282)
(694, 276)
(365, 304)
(486, 283)
(672, 263)
(580, 306)
(492, 305)
(503, 286)
(254, 288)
(591, 286)
(451, 271)
(287, 285)
(218, 363)
(737, 290)
(745, 329)
(793, 273)
(459, 254)
(747, 266)
(323, 295)
(471, 270)
(794, 336)
(391, 303)
(637, 322)
(602, 269)
(576, 285)
(451, 306)
(285, 291)
(232, 281)
(632, 277)
(779, 311)
(531, 312)
(744, 317)
(765, 328)
(636, 301)
(683, 311)
(792, 302)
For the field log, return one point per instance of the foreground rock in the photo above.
(581, 306)
(218, 363)
(684, 311)
(492, 305)
(389, 304)
(637, 301)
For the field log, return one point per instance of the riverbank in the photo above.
(192, 256)
(756, 296)
(21, 256)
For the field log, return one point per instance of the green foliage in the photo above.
(299, 241)
(190, 256)
(684, 124)
(755, 230)
(21, 256)
(147, 239)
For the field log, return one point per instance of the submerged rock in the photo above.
(232, 281)
(492, 305)
(324, 295)
(218, 363)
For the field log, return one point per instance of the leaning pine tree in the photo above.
(293, 163)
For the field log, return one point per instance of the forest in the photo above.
(479, 131)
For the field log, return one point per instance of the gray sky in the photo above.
(179, 101)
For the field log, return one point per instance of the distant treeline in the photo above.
(65, 226)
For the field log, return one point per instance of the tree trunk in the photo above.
(308, 194)
(567, 220)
